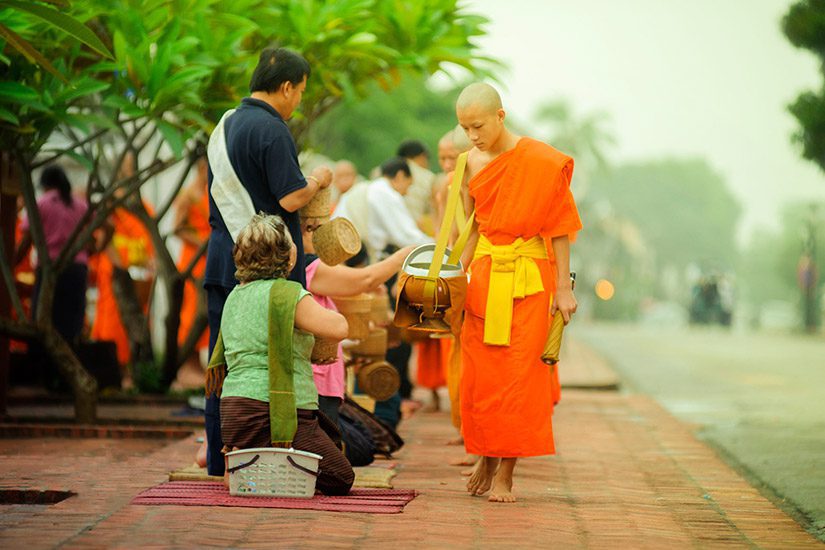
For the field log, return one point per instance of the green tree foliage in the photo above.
(44, 12)
(368, 131)
(804, 25)
(683, 210)
(178, 65)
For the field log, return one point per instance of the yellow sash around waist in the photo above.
(513, 274)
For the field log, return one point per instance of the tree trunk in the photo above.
(131, 314)
(8, 216)
(200, 324)
(84, 386)
(172, 359)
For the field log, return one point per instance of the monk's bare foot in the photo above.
(409, 407)
(482, 477)
(456, 441)
(200, 457)
(466, 460)
(502, 490)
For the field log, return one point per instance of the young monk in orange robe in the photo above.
(519, 271)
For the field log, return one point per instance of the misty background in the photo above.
(696, 202)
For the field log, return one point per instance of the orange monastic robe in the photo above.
(432, 362)
(134, 246)
(506, 390)
(197, 218)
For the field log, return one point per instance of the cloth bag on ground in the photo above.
(386, 440)
(359, 447)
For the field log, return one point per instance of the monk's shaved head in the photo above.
(460, 140)
(481, 116)
(479, 94)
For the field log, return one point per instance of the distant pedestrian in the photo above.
(60, 214)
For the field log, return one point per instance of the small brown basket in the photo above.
(357, 311)
(336, 241)
(319, 205)
(379, 380)
(380, 312)
(325, 351)
(373, 346)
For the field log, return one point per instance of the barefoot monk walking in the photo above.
(518, 256)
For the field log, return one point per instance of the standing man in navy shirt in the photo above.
(253, 167)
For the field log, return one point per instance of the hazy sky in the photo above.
(680, 78)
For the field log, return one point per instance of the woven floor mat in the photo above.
(187, 493)
(368, 477)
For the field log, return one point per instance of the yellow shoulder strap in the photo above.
(449, 216)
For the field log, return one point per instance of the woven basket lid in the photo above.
(319, 206)
(336, 241)
(379, 380)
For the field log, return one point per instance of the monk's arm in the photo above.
(564, 299)
(469, 207)
(470, 247)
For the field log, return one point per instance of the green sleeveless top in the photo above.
(266, 357)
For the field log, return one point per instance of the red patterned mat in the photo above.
(199, 493)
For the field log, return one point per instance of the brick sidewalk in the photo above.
(628, 475)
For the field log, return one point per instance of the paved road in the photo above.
(758, 398)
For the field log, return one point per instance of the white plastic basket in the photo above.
(272, 472)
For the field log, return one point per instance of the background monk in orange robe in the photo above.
(434, 353)
(131, 246)
(518, 255)
(192, 228)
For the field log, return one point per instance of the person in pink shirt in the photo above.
(325, 282)
(60, 213)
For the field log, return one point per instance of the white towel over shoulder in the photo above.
(230, 196)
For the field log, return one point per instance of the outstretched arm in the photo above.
(341, 280)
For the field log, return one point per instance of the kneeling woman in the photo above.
(268, 396)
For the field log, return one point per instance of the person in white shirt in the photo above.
(353, 206)
(419, 197)
(389, 224)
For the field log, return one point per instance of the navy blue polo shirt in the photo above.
(264, 156)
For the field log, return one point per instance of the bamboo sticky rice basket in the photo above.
(325, 351)
(336, 241)
(374, 346)
(379, 380)
(319, 206)
(380, 312)
(357, 311)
